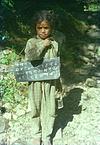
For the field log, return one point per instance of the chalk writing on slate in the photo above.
(46, 69)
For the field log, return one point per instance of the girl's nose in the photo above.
(43, 30)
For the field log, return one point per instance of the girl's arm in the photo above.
(34, 49)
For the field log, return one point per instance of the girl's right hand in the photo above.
(47, 43)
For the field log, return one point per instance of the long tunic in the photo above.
(42, 94)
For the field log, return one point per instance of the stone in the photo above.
(91, 82)
(2, 124)
(7, 116)
(20, 110)
(19, 142)
(91, 46)
(0, 103)
(14, 116)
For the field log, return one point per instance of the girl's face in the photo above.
(43, 29)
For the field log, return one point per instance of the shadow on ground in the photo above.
(70, 76)
(71, 107)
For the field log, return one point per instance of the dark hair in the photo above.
(48, 15)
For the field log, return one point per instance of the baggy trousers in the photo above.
(42, 101)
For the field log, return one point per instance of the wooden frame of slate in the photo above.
(38, 70)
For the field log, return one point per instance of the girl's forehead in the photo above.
(44, 22)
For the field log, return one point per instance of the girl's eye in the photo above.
(45, 27)
(39, 27)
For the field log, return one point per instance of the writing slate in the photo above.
(46, 69)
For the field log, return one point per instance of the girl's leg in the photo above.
(47, 112)
(35, 104)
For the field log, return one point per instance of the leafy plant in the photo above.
(10, 90)
(7, 3)
(9, 56)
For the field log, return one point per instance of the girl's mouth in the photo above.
(43, 35)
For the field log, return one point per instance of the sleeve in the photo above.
(34, 50)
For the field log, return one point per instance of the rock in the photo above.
(91, 82)
(85, 59)
(3, 142)
(58, 142)
(2, 124)
(1, 91)
(7, 51)
(91, 47)
(1, 76)
(19, 142)
(20, 110)
(8, 106)
(94, 93)
(14, 116)
(7, 116)
(0, 103)
(94, 33)
(3, 68)
(98, 83)
(98, 51)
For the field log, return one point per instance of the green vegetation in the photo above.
(94, 7)
(11, 91)
(9, 56)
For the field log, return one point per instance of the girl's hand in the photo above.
(47, 43)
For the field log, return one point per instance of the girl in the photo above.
(46, 43)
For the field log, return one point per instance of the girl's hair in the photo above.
(42, 15)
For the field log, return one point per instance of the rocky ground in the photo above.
(78, 123)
